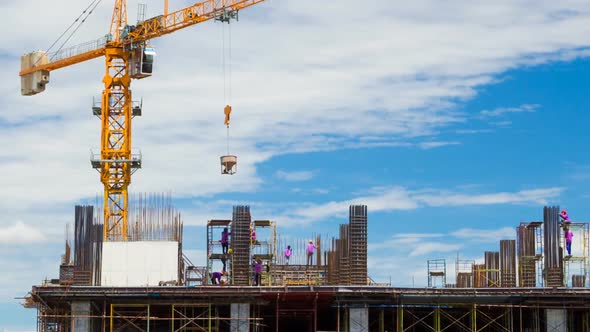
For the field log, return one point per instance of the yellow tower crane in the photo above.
(127, 55)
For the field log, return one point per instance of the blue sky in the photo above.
(453, 122)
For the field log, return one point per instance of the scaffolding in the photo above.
(454, 317)
(264, 248)
(530, 254)
(215, 253)
(575, 267)
(437, 270)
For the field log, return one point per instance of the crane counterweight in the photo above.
(34, 83)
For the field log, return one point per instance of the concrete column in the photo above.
(81, 321)
(240, 313)
(556, 320)
(358, 319)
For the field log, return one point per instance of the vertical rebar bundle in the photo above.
(240, 244)
(492, 268)
(508, 263)
(358, 244)
(87, 247)
(479, 276)
(343, 256)
(527, 257)
(152, 217)
(552, 250)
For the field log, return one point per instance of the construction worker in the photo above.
(310, 250)
(253, 236)
(258, 272)
(216, 277)
(564, 217)
(569, 235)
(224, 240)
(288, 253)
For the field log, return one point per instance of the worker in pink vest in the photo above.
(288, 253)
(564, 217)
(310, 250)
(224, 240)
(258, 272)
(569, 235)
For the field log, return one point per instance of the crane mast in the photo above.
(116, 163)
(126, 57)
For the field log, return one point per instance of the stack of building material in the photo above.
(578, 280)
(508, 263)
(240, 244)
(464, 273)
(464, 280)
(358, 244)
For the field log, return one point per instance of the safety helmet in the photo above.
(563, 211)
(310, 241)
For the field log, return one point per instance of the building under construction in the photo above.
(529, 285)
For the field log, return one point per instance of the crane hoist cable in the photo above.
(96, 3)
(226, 65)
(91, 6)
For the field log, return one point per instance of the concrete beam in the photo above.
(81, 312)
(240, 315)
(556, 320)
(358, 319)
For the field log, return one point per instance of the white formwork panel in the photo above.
(142, 263)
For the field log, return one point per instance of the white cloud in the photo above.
(402, 240)
(432, 145)
(484, 235)
(294, 176)
(525, 108)
(434, 247)
(534, 196)
(21, 233)
(384, 199)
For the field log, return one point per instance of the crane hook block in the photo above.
(227, 111)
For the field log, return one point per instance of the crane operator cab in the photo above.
(142, 62)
